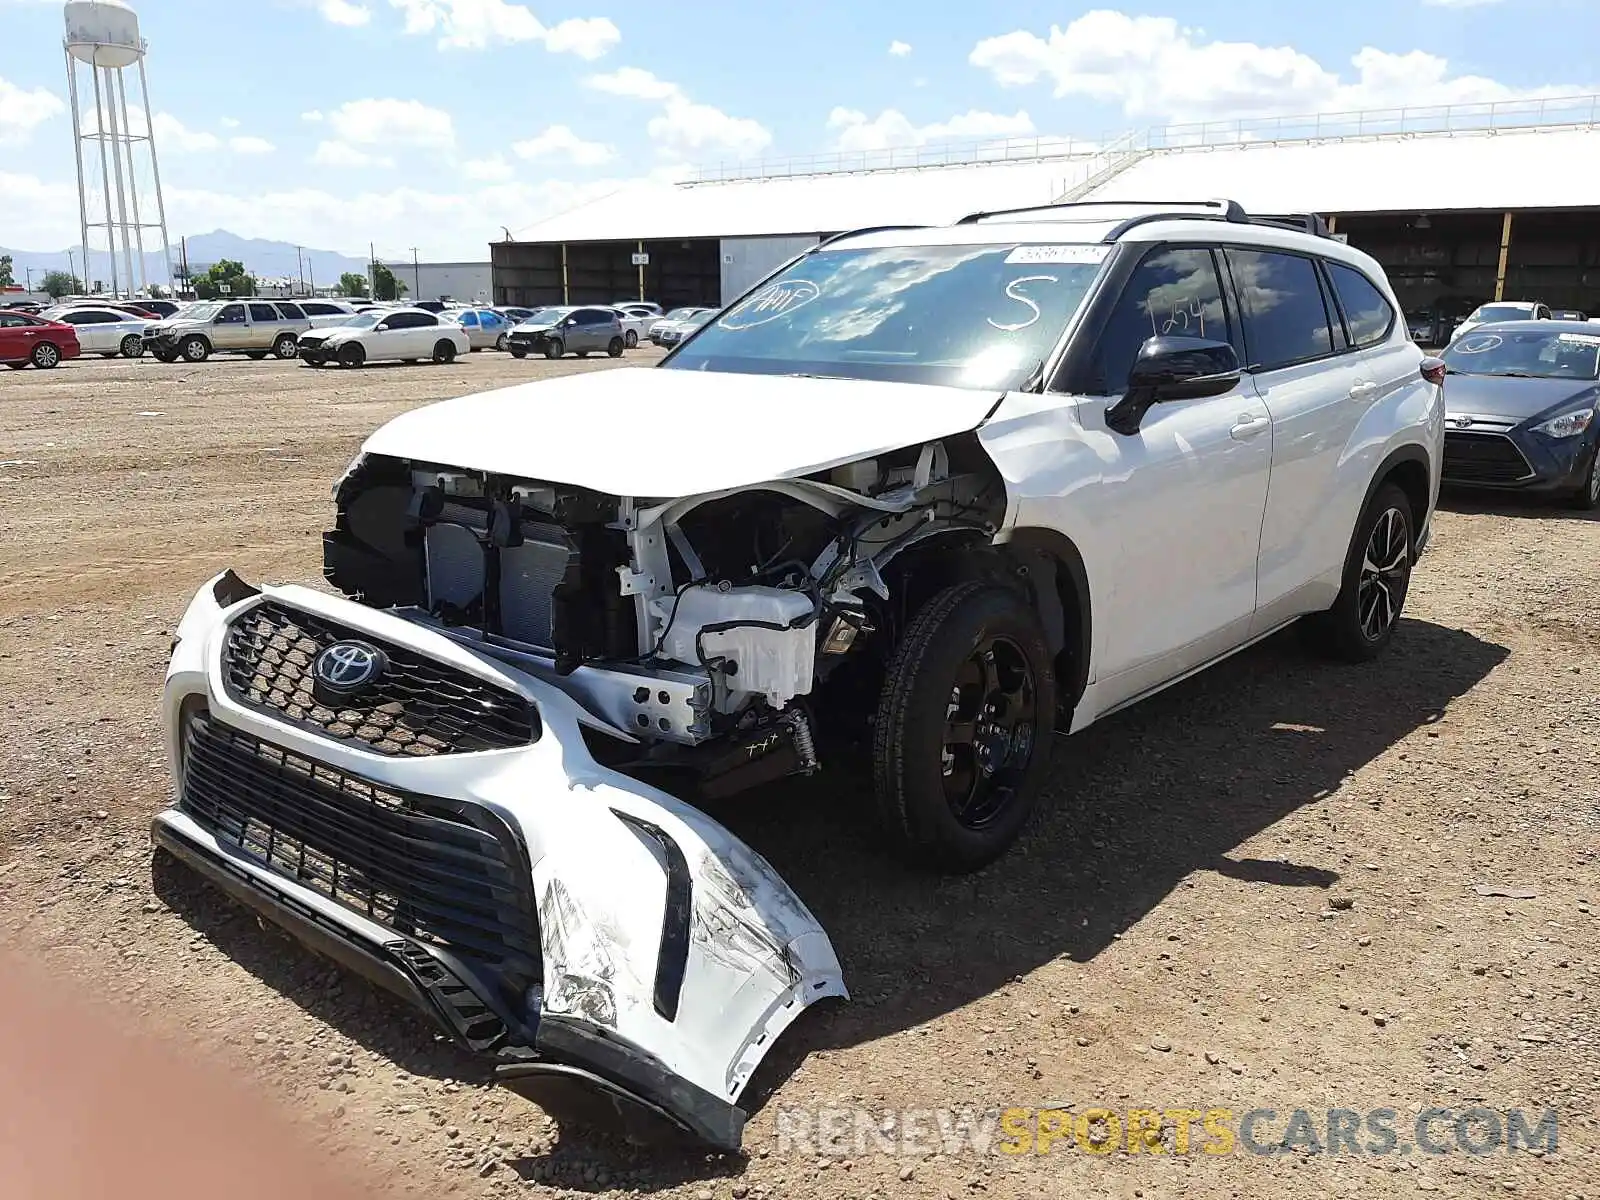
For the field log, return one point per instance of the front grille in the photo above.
(417, 707)
(1483, 458)
(444, 872)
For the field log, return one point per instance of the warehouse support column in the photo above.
(565, 296)
(1333, 224)
(1505, 255)
(641, 268)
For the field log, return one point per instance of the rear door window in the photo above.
(232, 314)
(264, 312)
(1367, 314)
(470, 320)
(1284, 318)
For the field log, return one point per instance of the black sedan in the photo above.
(1520, 409)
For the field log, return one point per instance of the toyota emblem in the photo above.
(344, 668)
(1461, 422)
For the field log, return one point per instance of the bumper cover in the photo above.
(672, 954)
(1550, 465)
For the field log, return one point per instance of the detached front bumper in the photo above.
(613, 949)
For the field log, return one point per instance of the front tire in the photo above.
(1587, 497)
(195, 349)
(961, 740)
(132, 346)
(444, 352)
(554, 348)
(352, 354)
(286, 347)
(1377, 576)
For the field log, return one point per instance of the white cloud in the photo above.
(250, 145)
(477, 24)
(1156, 69)
(559, 141)
(389, 122)
(854, 130)
(343, 12)
(314, 115)
(494, 169)
(173, 135)
(684, 126)
(899, 49)
(228, 123)
(634, 82)
(22, 111)
(342, 154)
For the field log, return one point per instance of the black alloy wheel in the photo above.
(988, 732)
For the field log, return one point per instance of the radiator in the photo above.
(529, 573)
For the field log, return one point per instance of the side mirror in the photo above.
(382, 325)
(569, 322)
(1173, 368)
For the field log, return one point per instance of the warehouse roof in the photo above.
(1532, 154)
(1430, 173)
(808, 204)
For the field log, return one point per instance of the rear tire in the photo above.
(45, 356)
(132, 346)
(444, 352)
(614, 347)
(352, 354)
(501, 342)
(286, 347)
(961, 740)
(1377, 576)
(554, 348)
(631, 338)
(195, 349)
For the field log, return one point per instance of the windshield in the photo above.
(545, 316)
(201, 312)
(966, 316)
(1501, 312)
(682, 314)
(1532, 353)
(362, 321)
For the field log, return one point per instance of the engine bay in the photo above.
(696, 631)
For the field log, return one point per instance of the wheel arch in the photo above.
(1064, 602)
(1408, 468)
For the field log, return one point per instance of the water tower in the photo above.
(103, 35)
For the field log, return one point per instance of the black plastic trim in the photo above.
(672, 959)
(1232, 210)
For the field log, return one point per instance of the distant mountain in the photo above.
(262, 257)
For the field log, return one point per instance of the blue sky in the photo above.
(432, 123)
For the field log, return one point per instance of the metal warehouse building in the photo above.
(1461, 204)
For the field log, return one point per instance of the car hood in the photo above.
(533, 327)
(1512, 399)
(661, 434)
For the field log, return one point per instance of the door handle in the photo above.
(1249, 425)
(1363, 391)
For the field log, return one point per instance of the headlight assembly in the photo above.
(1568, 424)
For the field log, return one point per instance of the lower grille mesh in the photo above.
(1483, 458)
(444, 872)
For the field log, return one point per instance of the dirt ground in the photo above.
(1256, 891)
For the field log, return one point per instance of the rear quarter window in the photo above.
(1367, 314)
(1285, 321)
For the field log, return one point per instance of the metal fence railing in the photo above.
(1405, 121)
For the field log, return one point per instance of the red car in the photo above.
(27, 339)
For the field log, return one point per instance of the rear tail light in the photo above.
(1433, 370)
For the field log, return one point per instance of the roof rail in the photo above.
(1230, 210)
(829, 240)
(1311, 223)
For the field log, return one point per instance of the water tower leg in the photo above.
(117, 148)
(105, 180)
(155, 171)
(133, 182)
(77, 154)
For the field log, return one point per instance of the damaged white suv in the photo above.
(968, 487)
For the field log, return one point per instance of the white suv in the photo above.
(966, 487)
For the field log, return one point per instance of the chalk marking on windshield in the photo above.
(1018, 296)
(778, 300)
(1478, 344)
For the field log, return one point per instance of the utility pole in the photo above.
(72, 267)
(312, 271)
(29, 272)
(301, 276)
(372, 272)
(416, 277)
